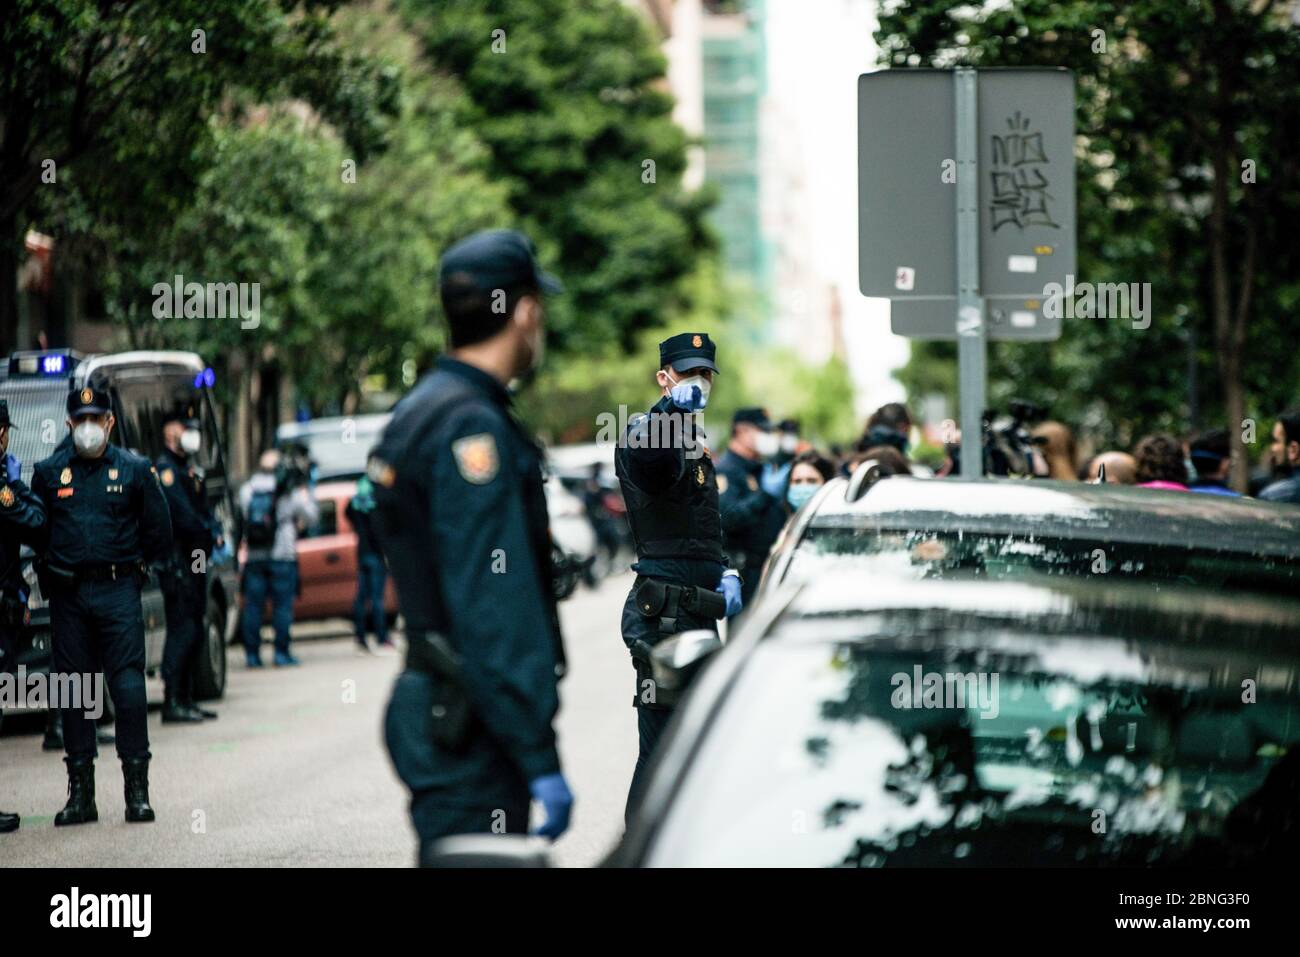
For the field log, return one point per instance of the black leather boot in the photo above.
(135, 774)
(8, 822)
(80, 808)
(176, 711)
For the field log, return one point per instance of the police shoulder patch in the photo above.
(752, 483)
(6, 497)
(722, 482)
(476, 458)
(167, 476)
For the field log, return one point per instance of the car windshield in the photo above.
(923, 553)
(938, 744)
(38, 408)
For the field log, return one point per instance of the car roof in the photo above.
(112, 361)
(1060, 509)
(333, 423)
(1037, 605)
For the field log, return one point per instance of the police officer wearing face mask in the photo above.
(185, 579)
(460, 514)
(668, 483)
(107, 522)
(752, 494)
(22, 519)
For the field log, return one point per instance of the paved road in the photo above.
(294, 772)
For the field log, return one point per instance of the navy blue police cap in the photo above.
(88, 401)
(753, 415)
(688, 350)
(496, 259)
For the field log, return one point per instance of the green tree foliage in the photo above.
(121, 94)
(570, 100)
(1188, 115)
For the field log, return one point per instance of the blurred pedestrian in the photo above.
(603, 523)
(751, 495)
(22, 522)
(889, 461)
(1160, 463)
(1057, 448)
(891, 424)
(1211, 458)
(372, 574)
(278, 506)
(809, 471)
(1285, 454)
(1121, 468)
(461, 515)
(184, 579)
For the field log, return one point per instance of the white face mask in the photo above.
(191, 441)
(766, 445)
(789, 442)
(696, 380)
(89, 437)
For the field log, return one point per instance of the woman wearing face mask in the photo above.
(808, 472)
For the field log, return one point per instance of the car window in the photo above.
(921, 553)
(38, 409)
(919, 749)
(328, 523)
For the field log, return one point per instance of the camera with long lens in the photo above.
(294, 470)
(1009, 448)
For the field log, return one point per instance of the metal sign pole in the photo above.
(971, 332)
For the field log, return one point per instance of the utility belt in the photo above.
(430, 653)
(666, 602)
(52, 577)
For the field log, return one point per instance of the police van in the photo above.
(144, 387)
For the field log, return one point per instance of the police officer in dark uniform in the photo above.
(185, 578)
(461, 518)
(668, 483)
(22, 518)
(107, 522)
(751, 492)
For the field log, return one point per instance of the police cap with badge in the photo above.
(88, 401)
(688, 350)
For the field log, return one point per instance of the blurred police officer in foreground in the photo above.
(461, 517)
(185, 579)
(667, 477)
(107, 523)
(22, 517)
(751, 493)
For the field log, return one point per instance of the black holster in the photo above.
(452, 718)
(13, 612)
(659, 599)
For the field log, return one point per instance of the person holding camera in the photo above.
(277, 506)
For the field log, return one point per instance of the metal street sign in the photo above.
(907, 197)
(966, 211)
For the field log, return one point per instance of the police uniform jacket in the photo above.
(108, 510)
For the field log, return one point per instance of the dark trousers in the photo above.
(277, 580)
(99, 627)
(475, 790)
(184, 601)
(650, 724)
(651, 720)
(369, 605)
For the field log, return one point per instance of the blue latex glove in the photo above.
(557, 801)
(729, 588)
(13, 468)
(688, 398)
(773, 479)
